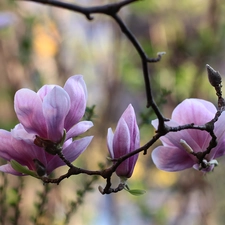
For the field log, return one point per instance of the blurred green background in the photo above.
(46, 45)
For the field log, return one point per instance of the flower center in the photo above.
(186, 146)
(203, 163)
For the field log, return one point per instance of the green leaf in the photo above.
(22, 169)
(136, 192)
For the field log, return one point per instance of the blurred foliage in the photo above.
(89, 113)
(45, 45)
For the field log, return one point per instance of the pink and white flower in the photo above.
(49, 119)
(53, 109)
(175, 154)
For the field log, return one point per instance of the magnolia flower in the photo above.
(35, 158)
(125, 140)
(176, 152)
(52, 112)
(49, 119)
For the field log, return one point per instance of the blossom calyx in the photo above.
(49, 146)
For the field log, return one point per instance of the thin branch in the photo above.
(67, 162)
(145, 60)
(108, 9)
(106, 173)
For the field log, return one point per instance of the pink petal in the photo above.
(67, 142)
(219, 128)
(132, 160)
(171, 159)
(121, 146)
(5, 145)
(121, 140)
(23, 153)
(79, 128)
(194, 111)
(71, 153)
(130, 119)
(43, 91)
(19, 133)
(110, 136)
(28, 107)
(218, 151)
(76, 88)
(219, 131)
(7, 168)
(76, 148)
(10, 148)
(25, 148)
(195, 143)
(56, 105)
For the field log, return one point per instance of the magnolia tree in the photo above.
(50, 124)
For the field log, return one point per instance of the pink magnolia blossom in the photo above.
(175, 154)
(125, 140)
(52, 110)
(49, 119)
(27, 154)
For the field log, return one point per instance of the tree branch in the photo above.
(112, 10)
(108, 9)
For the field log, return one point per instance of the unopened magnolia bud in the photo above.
(213, 76)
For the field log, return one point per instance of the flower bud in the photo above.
(125, 140)
(213, 76)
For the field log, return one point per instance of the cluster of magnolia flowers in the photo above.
(51, 122)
